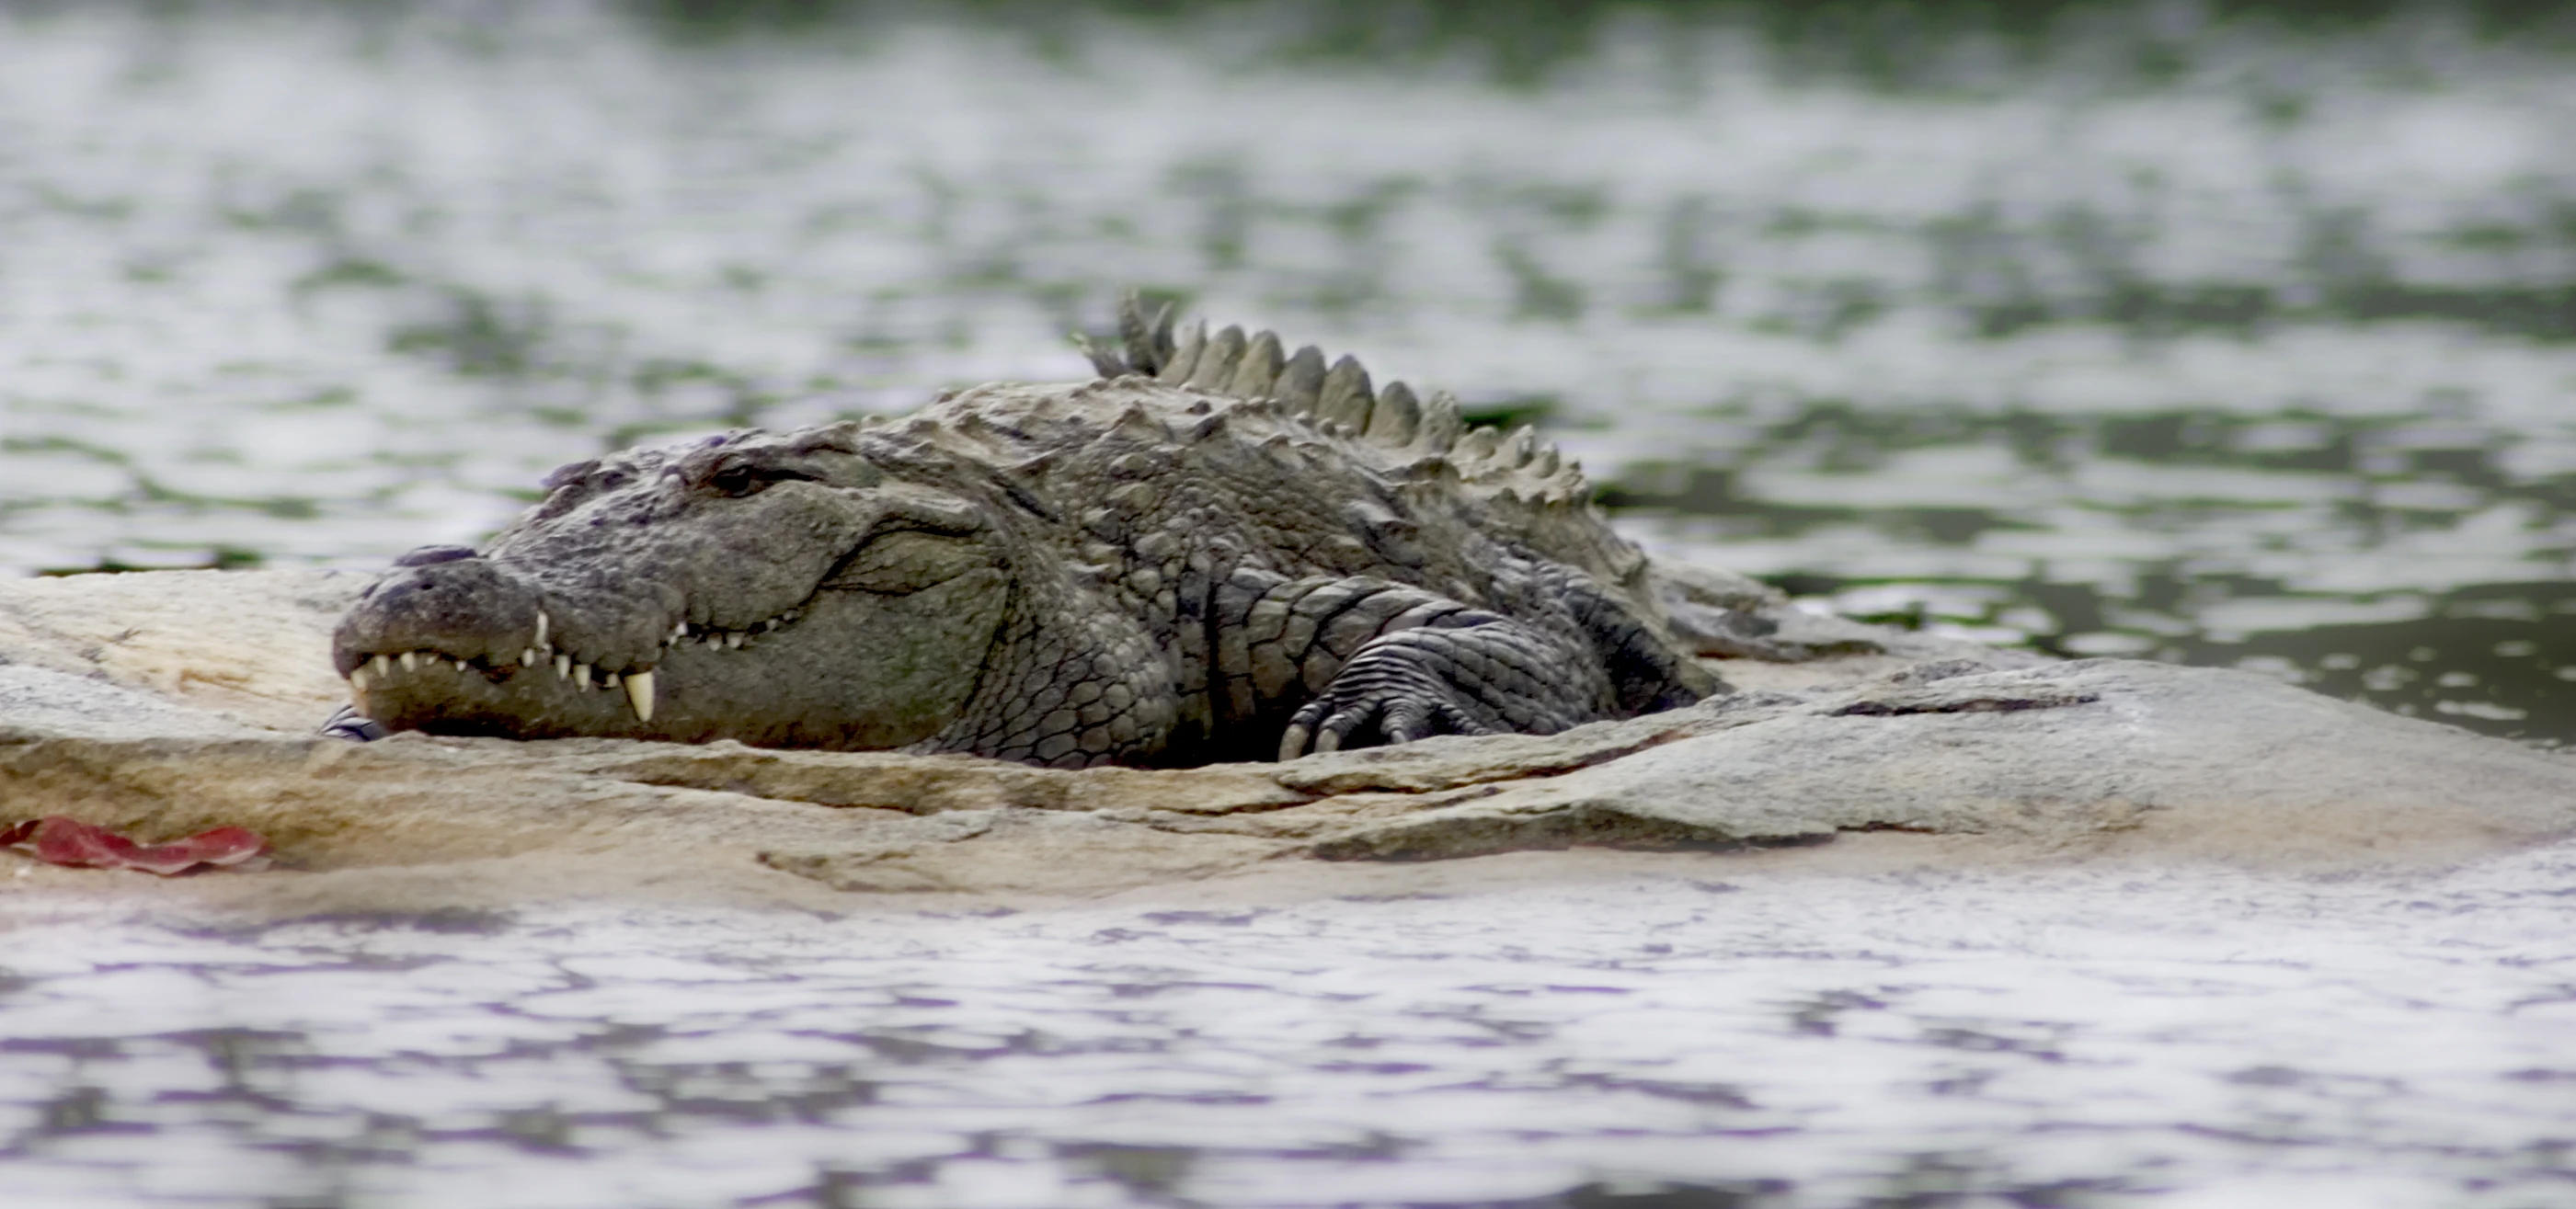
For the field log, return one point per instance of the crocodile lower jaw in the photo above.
(409, 668)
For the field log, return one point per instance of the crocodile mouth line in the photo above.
(384, 668)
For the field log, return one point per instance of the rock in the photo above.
(2098, 754)
(166, 703)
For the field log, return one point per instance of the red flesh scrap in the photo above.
(60, 840)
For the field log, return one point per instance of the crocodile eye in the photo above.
(746, 477)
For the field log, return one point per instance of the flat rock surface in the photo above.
(165, 703)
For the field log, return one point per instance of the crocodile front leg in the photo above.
(1361, 658)
(1488, 675)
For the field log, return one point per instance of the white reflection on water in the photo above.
(2089, 1036)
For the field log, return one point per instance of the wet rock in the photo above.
(2098, 754)
(164, 704)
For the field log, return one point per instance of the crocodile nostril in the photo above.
(429, 555)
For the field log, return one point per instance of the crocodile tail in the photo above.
(1518, 464)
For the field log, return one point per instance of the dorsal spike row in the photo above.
(1339, 399)
(1259, 369)
(1442, 423)
(1301, 381)
(1396, 417)
(1346, 395)
(1105, 361)
(1148, 339)
(1185, 356)
(1215, 368)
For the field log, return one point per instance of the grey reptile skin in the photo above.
(1217, 550)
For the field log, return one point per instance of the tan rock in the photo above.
(166, 703)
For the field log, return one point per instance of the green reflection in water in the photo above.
(2252, 593)
(1882, 42)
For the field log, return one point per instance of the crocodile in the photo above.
(1214, 550)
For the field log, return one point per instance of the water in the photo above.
(1659, 1039)
(2118, 329)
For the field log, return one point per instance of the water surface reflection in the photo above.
(1663, 1038)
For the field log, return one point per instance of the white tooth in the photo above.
(679, 631)
(544, 623)
(639, 693)
(411, 661)
(460, 664)
(563, 666)
(381, 666)
(581, 675)
(608, 681)
(529, 656)
(358, 679)
(733, 641)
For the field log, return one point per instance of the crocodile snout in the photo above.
(441, 601)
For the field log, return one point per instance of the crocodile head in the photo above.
(778, 589)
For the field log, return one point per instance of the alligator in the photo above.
(1215, 550)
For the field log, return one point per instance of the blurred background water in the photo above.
(2240, 334)
(2232, 333)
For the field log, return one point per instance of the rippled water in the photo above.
(2232, 344)
(1687, 1036)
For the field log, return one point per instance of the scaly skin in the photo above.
(1214, 552)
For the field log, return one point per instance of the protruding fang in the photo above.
(411, 661)
(733, 640)
(639, 693)
(544, 623)
(581, 675)
(529, 656)
(358, 679)
(381, 666)
(563, 667)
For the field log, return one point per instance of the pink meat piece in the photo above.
(60, 840)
